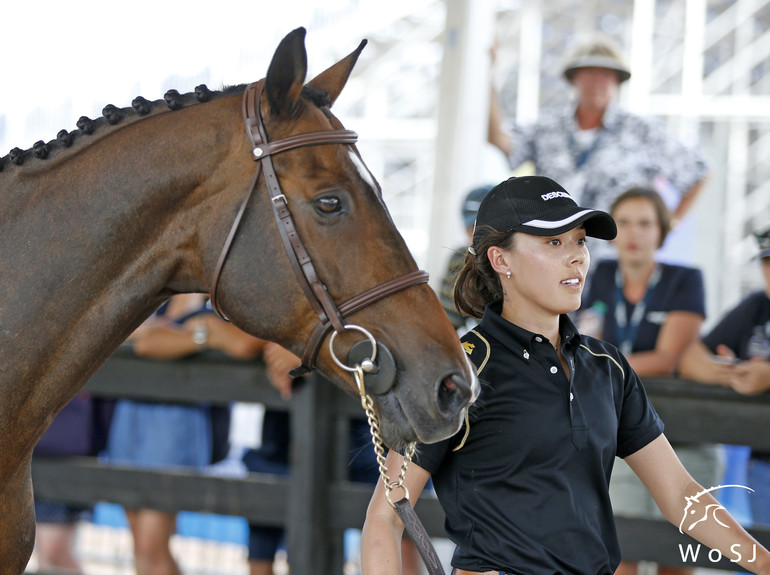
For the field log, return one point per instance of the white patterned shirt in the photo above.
(627, 151)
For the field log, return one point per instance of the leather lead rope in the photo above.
(417, 532)
(403, 508)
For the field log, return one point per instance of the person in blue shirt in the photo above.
(652, 311)
(525, 484)
(156, 435)
(736, 354)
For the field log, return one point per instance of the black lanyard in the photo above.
(628, 326)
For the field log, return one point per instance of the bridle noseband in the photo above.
(329, 314)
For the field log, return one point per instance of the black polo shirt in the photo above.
(527, 492)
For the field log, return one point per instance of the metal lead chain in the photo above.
(379, 450)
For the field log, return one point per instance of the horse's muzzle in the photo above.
(453, 393)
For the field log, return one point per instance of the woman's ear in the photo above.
(497, 257)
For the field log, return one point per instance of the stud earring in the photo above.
(508, 275)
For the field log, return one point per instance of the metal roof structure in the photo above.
(701, 66)
(419, 96)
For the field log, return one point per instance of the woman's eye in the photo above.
(554, 242)
(328, 204)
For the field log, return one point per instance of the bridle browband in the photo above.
(329, 314)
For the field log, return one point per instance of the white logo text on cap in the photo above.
(552, 195)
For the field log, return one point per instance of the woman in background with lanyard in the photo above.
(652, 311)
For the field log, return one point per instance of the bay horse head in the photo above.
(317, 264)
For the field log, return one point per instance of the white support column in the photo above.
(461, 134)
(643, 24)
(692, 67)
(530, 56)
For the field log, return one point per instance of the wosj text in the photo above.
(691, 552)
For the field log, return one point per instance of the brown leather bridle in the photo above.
(329, 314)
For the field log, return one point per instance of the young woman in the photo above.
(652, 312)
(526, 491)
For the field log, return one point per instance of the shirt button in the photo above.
(554, 369)
(538, 339)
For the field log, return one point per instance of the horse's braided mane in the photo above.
(112, 116)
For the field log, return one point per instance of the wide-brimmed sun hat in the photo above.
(597, 54)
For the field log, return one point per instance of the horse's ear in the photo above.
(286, 74)
(333, 79)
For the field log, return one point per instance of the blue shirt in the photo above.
(527, 492)
(678, 288)
(737, 326)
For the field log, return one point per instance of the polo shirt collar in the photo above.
(519, 340)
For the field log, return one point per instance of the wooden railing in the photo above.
(315, 503)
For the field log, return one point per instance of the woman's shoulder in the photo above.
(681, 273)
(755, 301)
(680, 269)
(477, 347)
(606, 266)
(603, 275)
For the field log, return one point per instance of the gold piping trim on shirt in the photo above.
(478, 371)
(622, 371)
(489, 351)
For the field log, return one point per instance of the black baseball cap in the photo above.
(538, 206)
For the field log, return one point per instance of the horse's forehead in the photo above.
(362, 170)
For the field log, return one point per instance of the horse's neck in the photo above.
(101, 240)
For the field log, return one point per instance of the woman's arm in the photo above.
(683, 501)
(698, 364)
(751, 377)
(382, 531)
(677, 332)
(688, 200)
(496, 135)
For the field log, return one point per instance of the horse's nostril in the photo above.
(452, 394)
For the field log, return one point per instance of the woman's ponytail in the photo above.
(478, 284)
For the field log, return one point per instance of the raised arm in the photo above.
(687, 201)
(496, 135)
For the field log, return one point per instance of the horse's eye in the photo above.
(328, 204)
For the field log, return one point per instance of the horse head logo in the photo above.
(712, 508)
